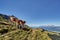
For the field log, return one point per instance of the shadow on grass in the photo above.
(54, 37)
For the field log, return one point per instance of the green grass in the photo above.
(11, 32)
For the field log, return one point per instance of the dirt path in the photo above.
(34, 34)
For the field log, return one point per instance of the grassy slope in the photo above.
(10, 32)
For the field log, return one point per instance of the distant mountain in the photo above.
(11, 32)
(51, 28)
(4, 16)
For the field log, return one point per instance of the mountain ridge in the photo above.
(11, 32)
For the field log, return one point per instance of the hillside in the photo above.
(9, 31)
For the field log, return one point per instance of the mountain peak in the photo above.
(48, 25)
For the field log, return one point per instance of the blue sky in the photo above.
(35, 12)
